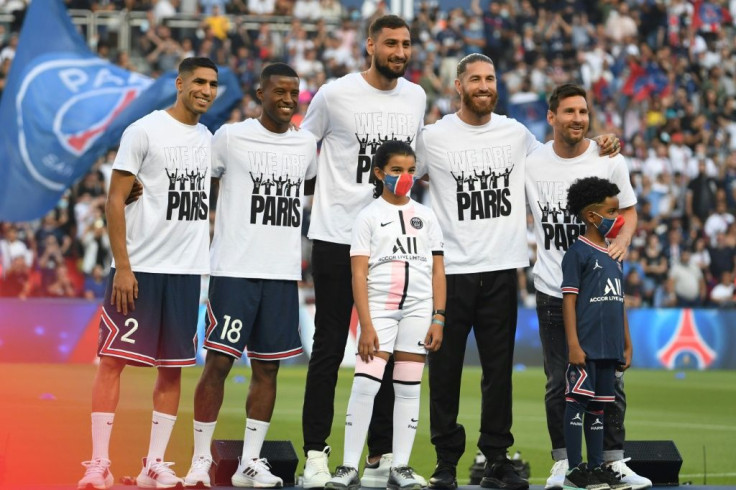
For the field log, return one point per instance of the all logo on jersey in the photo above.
(612, 291)
(187, 168)
(560, 228)
(482, 177)
(277, 182)
(374, 128)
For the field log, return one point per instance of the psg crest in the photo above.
(68, 103)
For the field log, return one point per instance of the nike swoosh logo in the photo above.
(198, 430)
(156, 423)
(415, 420)
(109, 423)
(386, 224)
(420, 343)
(251, 428)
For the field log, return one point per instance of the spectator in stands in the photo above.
(689, 282)
(701, 195)
(12, 248)
(719, 221)
(665, 296)
(17, 280)
(94, 284)
(633, 290)
(722, 295)
(62, 285)
(722, 256)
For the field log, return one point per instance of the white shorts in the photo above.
(403, 330)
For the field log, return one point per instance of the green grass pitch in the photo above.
(44, 416)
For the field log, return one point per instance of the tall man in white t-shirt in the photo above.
(256, 263)
(550, 171)
(160, 247)
(476, 161)
(351, 116)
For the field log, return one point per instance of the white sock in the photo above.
(358, 418)
(203, 438)
(255, 434)
(161, 427)
(101, 431)
(406, 417)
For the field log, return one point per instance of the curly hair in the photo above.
(590, 190)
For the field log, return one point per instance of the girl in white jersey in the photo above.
(399, 292)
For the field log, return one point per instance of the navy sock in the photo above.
(594, 434)
(574, 411)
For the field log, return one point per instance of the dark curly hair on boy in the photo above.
(590, 190)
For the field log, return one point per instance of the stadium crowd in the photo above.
(660, 75)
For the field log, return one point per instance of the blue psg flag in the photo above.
(63, 107)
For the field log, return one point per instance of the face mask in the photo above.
(609, 228)
(399, 185)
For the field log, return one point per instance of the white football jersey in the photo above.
(548, 178)
(399, 242)
(167, 228)
(476, 186)
(352, 118)
(260, 206)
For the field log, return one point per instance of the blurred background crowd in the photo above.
(660, 75)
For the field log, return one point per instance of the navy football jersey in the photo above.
(589, 272)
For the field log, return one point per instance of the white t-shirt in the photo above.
(399, 242)
(476, 186)
(168, 229)
(352, 118)
(548, 178)
(259, 210)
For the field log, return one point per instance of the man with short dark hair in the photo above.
(160, 249)
(352, 116)
(256, 264)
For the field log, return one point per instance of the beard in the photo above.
(571, 140)
(386, 71)
(480, 109)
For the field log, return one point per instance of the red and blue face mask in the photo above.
(610, 227)
(399, 185)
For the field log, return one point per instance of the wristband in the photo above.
(438, 322)
(439, 312)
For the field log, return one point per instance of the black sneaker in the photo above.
(606, 475)
(444, 476)
(501, 473)
(579, 478)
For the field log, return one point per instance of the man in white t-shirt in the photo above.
(256, 263)
(550, 171)
(476, 161)
(352, 116)
(160, 247)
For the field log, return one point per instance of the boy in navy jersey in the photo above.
(596, 329)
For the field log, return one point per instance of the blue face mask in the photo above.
(609, 227)
(399, 185)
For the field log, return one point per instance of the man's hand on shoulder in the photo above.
(609, 144)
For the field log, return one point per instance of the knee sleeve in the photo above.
(368, 375)
(408, 379)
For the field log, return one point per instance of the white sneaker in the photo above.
(97, 475)
(316, 470)
(557, 475)
(375, 475)
(627, 475)
(199, 473)
(158, 474)
(402, 478)
(256, 473)
(346, 478)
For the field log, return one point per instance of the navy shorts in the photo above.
(162, 330)
(595, 381)
(260, 315)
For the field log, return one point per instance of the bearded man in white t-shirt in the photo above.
(550, 170)
(160, 247)
(475, 160)
(352, 116)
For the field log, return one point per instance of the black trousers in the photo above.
(487, 304)
(554, 351)
(334, 302)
